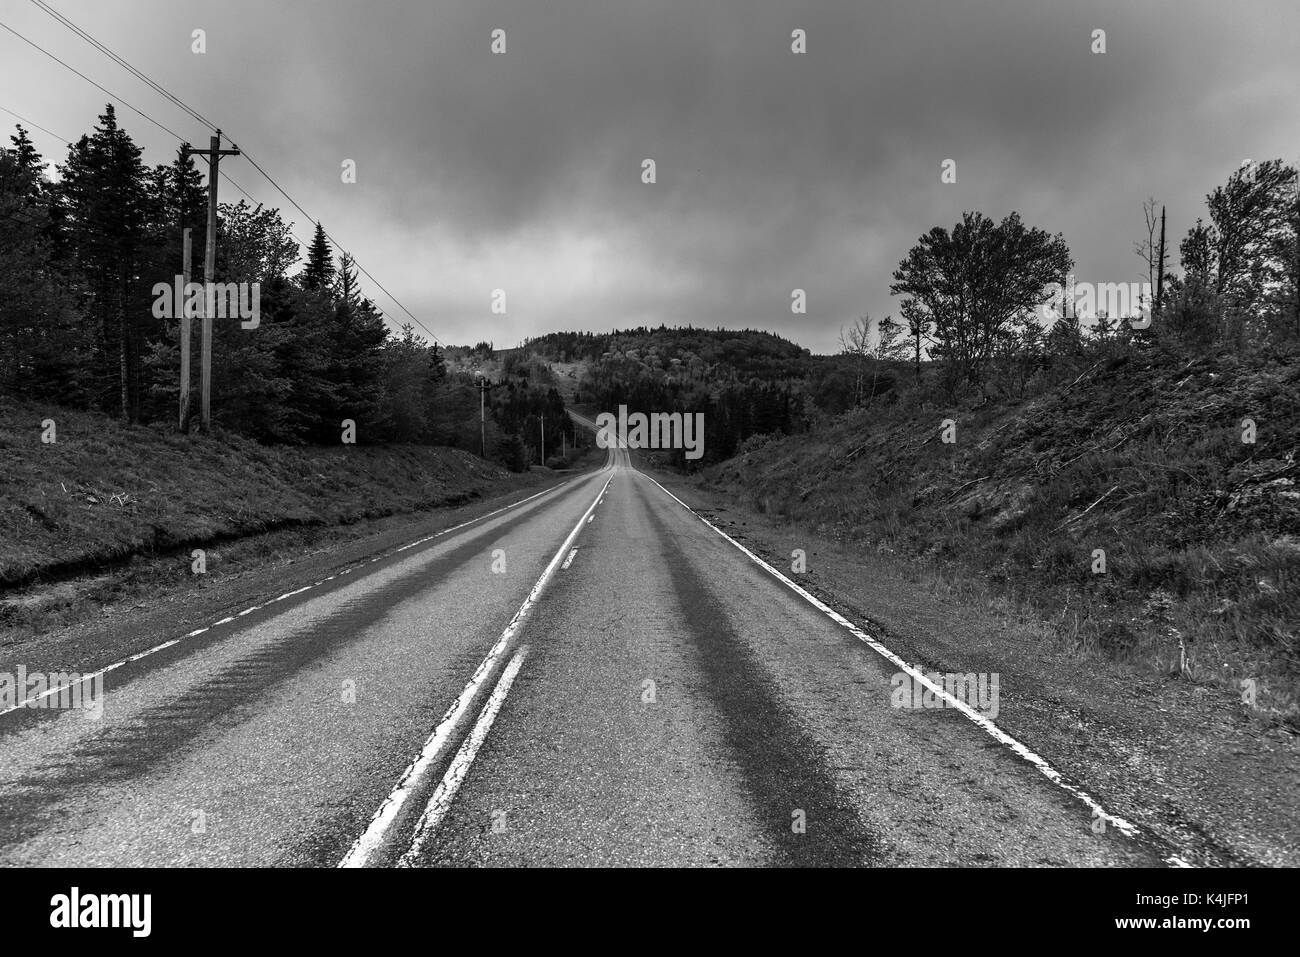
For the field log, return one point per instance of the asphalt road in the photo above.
(592, 677)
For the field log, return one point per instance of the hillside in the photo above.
(745, 381)
(1141, 457)
(104, 493)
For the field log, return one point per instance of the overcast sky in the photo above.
(522, 171)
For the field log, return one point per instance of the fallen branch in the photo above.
(962, 488)
(1085, 511)
(1091, 451)
(1081, 376)
(860, 448)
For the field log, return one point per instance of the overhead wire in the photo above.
(200, 118)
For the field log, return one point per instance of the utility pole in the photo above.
(543, 462)
(482, 412)
(214, 152)
(186, 254)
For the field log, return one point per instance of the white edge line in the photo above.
(372, 839)
(440, 802)
(1125, 827)
(298, 591)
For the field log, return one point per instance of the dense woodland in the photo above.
(80, 255)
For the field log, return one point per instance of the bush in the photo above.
(510, 453)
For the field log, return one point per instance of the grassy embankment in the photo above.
(1142, 458)
(108, 497)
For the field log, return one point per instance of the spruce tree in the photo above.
(318, 274)
(107, 207)
(30, 168)
(347, 288)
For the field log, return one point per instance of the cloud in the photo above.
(522, 171)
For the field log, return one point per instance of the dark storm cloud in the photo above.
(775, 171)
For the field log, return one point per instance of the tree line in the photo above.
(978, 299)
(81, 253)
(987, 307)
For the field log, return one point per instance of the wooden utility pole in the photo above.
(482, 413)
(543, 462)
(186, 255)
(214, 152)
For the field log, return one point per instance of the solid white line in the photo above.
(289, 594)
(372, 839)
(1001, 736)
(440, 802)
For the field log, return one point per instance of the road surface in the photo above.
(594, 676)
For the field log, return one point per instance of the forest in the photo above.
(81, 253)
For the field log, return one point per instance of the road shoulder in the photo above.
(1184, 762)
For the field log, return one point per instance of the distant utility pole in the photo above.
(214, 152)
(543, 462)
(186, 255)
(482, 413)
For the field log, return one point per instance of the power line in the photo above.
(224, 175)
(23, 119)
(119, 60)
(360, 268)
(92, 82)
(204, 121)
(243, 192)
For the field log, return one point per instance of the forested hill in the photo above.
(747, 382)
(740, 353)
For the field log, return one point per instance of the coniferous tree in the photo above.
(347, 289)
(318, 274)
(27, 178)
(106, 202)
(42, 349)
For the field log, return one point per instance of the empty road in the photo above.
(593, 676)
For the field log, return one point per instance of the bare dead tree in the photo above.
(1161, 263)
(1150, 250)
(856, 344)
